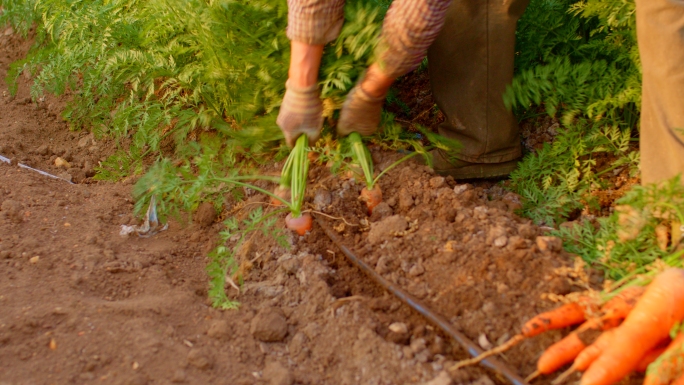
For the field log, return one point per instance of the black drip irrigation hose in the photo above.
(414, 303)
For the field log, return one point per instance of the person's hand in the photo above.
(300, 113)
(362, 110)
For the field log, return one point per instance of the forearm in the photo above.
(305, 61)
(409, 28)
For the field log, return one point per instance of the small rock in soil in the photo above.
(437, 182)
(399, 327)
(219, 329)
(461, 188)
(42, 150)
(322, 199)
(297, 344)
(484, 342)
(501, 241)
(61, 162)
(405, 199)
(441, 379)
(276, 374)
(560, 286)
(382, 229)
(416, 270)
(381, 211)
(205, 215)
(200, 359)
(546, 243)
(269, 325)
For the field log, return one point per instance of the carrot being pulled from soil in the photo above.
(299, 170)
(371, 194)
(301, 225)
(650, 322)
(371, 197)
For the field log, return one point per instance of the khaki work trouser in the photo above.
(470, 65)
(660, 33)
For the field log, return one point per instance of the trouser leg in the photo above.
(660, 33)
(470, 64)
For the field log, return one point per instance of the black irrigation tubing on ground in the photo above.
(418, 306)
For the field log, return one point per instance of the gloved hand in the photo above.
(300, 113)
(360, 113)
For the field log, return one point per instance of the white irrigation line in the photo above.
(7, 160)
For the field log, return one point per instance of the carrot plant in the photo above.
(371, 194)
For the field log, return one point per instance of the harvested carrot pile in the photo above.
(636, 324)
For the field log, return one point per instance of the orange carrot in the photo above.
(371, 197)
(560, 353)
(558, 318)
(649, 358)
(301, 224)
(679, 381)
(587, 356)
(660, 307)
(669, 366)
(593, 351)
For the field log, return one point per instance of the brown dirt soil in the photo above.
(79, 304)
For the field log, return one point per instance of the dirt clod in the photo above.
(219, 329)
(269, 325)
(200, 359)
(277, 374)
(322, 199)
(546, 243)
(205, 215)
(387, 226)
(12, 210)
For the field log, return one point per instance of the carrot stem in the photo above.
(363, 158)
(300, 171)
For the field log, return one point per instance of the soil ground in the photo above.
(80, 304)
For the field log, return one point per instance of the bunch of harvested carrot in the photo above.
(646, 326)
(371, 194)
(564, 316)
(636, 342)
(610, 316)
(565, 351)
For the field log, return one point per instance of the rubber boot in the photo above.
(470, 64)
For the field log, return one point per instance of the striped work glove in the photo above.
(360, 113)
(300, 113)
